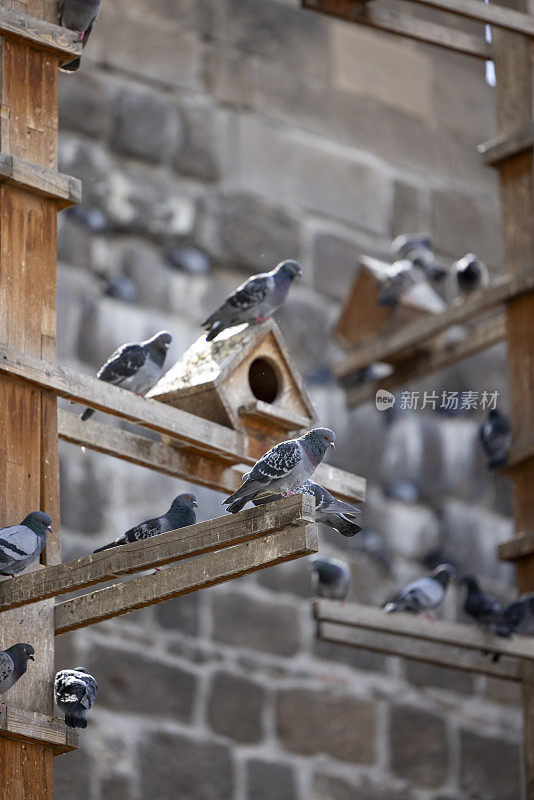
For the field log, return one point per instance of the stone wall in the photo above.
(253, 131)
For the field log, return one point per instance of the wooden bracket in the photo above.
(502, 148)
(37, 33)
(64, 189)
(519, 547)
(29, 726)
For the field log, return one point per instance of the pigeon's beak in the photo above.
(195, 504)
(31, 658)
(49, 528)
(332, 445)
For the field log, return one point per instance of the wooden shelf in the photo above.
(502, 148)
(190, 576)
(186, 543)
(41, 35)
(64, 189)
(465, 647)
(519, 547)
(29, 726)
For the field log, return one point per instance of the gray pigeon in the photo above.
(136, 366)
(520, 615)
(78, 15)
(284, 467)
(496, 437)
(471, 274)
(330, 578)
(180, 515)
(328, 509)
(21, 544)
(484, 609)
(13, 664)
(417, 248)
(422, 594)
(75, 692)
(255, 300)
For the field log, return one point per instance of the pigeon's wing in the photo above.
(427, 592)
(151, 527)
(70, 687)
(248, 294)
(123, 363)
(6, 666)
(277, 463)
(17, 543)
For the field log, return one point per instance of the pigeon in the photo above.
(483, 608)
(328, 510)
(330, 578)
(255, 300)
(284, 467)
(417, 248)
(190, 260)
(496, 437)
(403, 280)
(80, 16)
(422, 594)
(180, 515)
(471, 274)
(13, 664)
(520, 615)
(135, 366)
(22, 544)
(75, 692)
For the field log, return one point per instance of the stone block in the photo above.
(490, 767)
(266, 780)
(310, 722)
(504, 692)
(465, 222)
(421, 674)
(201, 153)
(180, 614)
(85, 493)
(418, 746)
(173, 766)
(335, 263)
(243, 621)
(168, 691)
(89, 162)
(351, 656)
(305, 320)
(146, 126)
(85, 103)
(145, 266)
(330, 787)
(411, 208)
(235, 708)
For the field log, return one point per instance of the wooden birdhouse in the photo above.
(363, 317)
(244, 379)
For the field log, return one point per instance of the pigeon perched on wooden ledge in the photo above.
(80, 16)
(331, 578)
(13, 664)
(21, 545)
(471, 274)
(75, 692)
(484, 609)
(422, 594)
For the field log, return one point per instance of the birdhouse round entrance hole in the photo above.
(264, 380)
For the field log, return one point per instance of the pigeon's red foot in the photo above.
(81, 34)
(262, 319)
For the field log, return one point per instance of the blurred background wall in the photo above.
(214, 138)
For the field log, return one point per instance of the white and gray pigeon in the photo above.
(496, 438)
(470, 273)
(75, 692)
(13, 664)
(485, 610)
(255, 300)
(406, 281)
(80, 16)
(135, 366)
(331, 578)
(520, 615)
(21, 545)
(328, 509)
(417, 248)
(422, 594)
(180, 515)
(284, 467)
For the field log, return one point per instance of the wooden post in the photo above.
(28, 426)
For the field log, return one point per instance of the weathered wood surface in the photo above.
(39, 180)
(25, 726)
(408, 27)
(520, 546)
(214, 534)
(188, 576)
(494, 15)
(31, 31)
(502, 147)
(470, 637)
(413, 337)
(437, 355)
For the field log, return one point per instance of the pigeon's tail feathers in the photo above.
(76, 719)
(72, 66)
(87, 413)
(501, 629)
(347, 527)
(116, 543)
(394, 605)
(237, 505)
(497, 461)
(215, 329)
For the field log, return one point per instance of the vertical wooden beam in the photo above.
(28, 434)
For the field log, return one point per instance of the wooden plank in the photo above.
(261, 411)
(412, 337)
(402, 25)
(23, 725)
(39, 180)
(520, 546)
(37, 33)
(500, 148)
(494, 15)
(444, 655)
(190, 576)
(470, 637)
(438, 356)
(195, 540)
